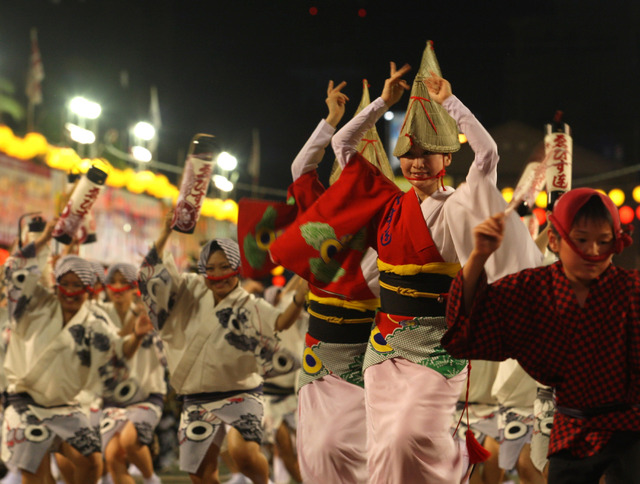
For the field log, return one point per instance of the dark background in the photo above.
(227, 67)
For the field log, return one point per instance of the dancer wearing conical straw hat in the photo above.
(418, 256)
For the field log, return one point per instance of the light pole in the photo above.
(83, 110)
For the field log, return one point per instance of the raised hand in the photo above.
(336, 101)
(488, 235)
(143, 325)
(395, 86)
(47, 234)
(439, 88)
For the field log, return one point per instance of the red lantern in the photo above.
(278, 281)
(541, 215)
(313, 10)
(626, 214)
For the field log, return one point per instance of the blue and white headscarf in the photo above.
(99, 270)
(229, 247)
(129, 271)
(79, 266)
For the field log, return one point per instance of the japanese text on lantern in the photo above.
(560, 148)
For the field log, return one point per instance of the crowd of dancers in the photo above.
(427, 336)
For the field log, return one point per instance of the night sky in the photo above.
(227, 67)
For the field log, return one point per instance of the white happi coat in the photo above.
(146, 365)
(209, 347)
(48, 360)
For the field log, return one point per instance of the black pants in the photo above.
(619, 460)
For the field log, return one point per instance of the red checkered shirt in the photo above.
(590, 354)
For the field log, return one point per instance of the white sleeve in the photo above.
(266, 316)
(22, 274)
(344, 142)
(369, 266)
(484, 147)
(312, 152)
(160, 286)
(479, 198)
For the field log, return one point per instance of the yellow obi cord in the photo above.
(365, 305)
(407, 291)
(450, 269)
(338, 320)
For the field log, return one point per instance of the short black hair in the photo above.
(593, 211)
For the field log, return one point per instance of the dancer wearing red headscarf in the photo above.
(573, 325)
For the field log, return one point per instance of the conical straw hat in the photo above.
(426, 123)
(370, 146)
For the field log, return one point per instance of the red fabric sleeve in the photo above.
(477, 335)
(317, 245)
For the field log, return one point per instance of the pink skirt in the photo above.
(331, 436)
(410, 409)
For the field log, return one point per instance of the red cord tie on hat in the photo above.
(222, 278)
(419, 98)
(623, 238)
(367, 143)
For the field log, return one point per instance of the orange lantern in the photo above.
(626, 214)
(278, 281)
(540, 214)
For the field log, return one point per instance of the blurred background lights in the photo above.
(226, 161)
(80, 135)
(84, 165)
(85, 108)
(222, 183)
(541, 200)
(278, 281)
(540, 214)
(507, 194)
(617, 196)
(144, 130)
(626, 214)
(141, 153)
